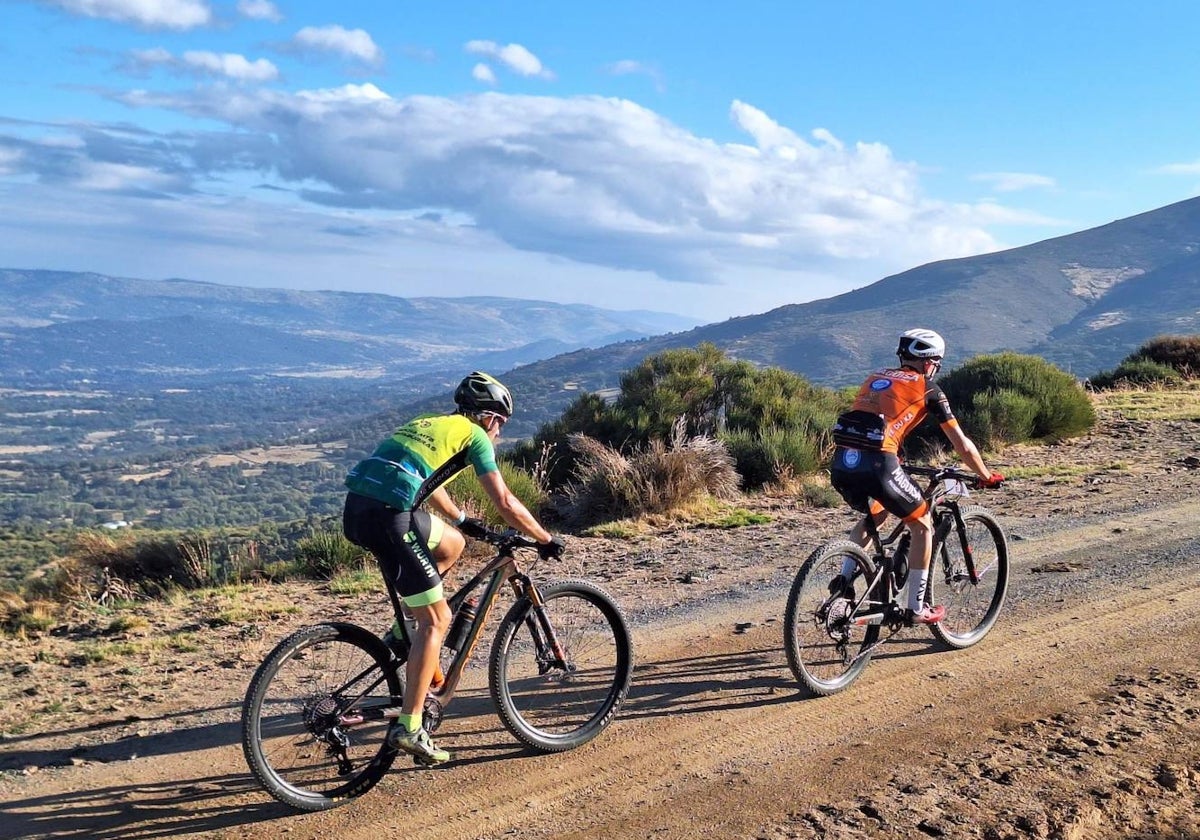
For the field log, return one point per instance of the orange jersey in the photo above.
(890, 404)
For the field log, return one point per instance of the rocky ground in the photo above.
(1078, 717)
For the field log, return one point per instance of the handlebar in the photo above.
(507, 539)
(937, 474)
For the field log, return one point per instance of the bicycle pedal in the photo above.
(421, 761)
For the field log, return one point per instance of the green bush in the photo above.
(763, 456)
(1137, 373)
(1009, 398)
(752, 409)
(466, 490)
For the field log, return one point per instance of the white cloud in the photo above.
(168, 14)
(596, 180)
(351, 43)
(1015, 181)
(198, 62)
(515, 57)
(259, 10)
(483, 73)
(232, 66)
(1192, 168)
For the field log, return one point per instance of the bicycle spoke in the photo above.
(971, 608)
(313, 728)
(825, 648)
(552, 703)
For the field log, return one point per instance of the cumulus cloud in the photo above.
(198, 62)
(166, 14)
(515, 57)
(596, 180)
(355, 44)
(1015, 181)
(259, 10)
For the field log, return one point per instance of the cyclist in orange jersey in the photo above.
(866, 468)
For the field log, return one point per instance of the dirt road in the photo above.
(1078, 718)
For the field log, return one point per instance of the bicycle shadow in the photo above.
(124, 747)
(704, 684)
(142, 810)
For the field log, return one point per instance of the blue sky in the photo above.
(710, 159)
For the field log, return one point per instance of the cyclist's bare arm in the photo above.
(510, 507)
(966, 449)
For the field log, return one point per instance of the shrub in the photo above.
(711, 396)
(656, 478)
(1009, 397)
(1137, 373)
(466, 490)
(326, 554)
(1178, 352)
(770, 455)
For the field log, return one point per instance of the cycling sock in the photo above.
(410, 722)
(918, 580)
(848, 568)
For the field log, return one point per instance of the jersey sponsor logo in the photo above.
(881, 384)
(851, 457)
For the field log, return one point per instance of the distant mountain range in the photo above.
(58, 326)
(1083, 301)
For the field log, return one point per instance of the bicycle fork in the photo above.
(550, 652)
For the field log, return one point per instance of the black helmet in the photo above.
(480, 392)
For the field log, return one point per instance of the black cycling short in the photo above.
(864, 474)
(399, 539)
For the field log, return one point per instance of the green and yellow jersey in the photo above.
(420, 457)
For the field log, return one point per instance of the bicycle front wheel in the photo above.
(313, 731)
(550, 703)
(971, 608)
(824, 647)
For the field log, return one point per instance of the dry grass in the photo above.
(658, 478)
(1151, 403)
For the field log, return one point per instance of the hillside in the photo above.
(1083, 301)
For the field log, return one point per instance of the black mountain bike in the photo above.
(317, 711)
(830, 636)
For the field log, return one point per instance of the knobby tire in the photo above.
(545, 706)
(971, 609)
(288, 716)
(826, 652)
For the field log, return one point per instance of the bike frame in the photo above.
(496, 572)
(946, 514)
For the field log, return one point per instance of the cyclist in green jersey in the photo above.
(385, 514)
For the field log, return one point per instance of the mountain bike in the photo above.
(317, 711)
(830, 636)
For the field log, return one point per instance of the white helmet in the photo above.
(921, 344)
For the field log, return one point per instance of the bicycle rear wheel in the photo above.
(971, 608)
(825, 650)
(313, 731)
(554, 705)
